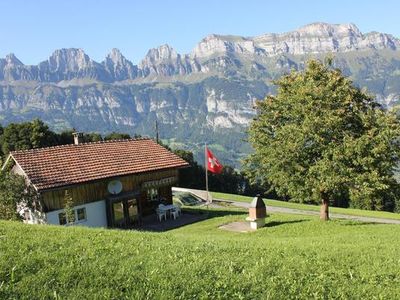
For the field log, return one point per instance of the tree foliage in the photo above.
(14, 192)
(26, 136)
(322, 139)
(116, 136)
(68, 207)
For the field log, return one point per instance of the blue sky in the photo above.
(33, 29)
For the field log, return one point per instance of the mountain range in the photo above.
(206, 95)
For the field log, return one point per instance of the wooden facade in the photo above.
(134, 193)
(95, 191)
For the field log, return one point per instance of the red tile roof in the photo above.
(72, 164)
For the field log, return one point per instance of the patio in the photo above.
(152, 223)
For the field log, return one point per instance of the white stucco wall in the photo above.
(36, 217)
(95, 215)
(16, 169)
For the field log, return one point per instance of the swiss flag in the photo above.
(213, 165)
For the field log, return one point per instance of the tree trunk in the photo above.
(324, 212)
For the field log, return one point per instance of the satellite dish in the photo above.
(114, 187)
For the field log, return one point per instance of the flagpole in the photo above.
(206, 167)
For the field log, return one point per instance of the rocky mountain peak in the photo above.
(325, 29)
(11, 69)
(118, 66)
(319, 38)
(12, 60)
(164, 61)
(162, 53)
(67, 53)
(69, 59)
(222, 44)
(116, 57)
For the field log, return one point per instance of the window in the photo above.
(81, 212)
(152, 194)
(78, 215)
(62, 218)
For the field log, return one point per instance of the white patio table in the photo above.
(168, 208)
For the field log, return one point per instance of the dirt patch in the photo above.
(237, 227)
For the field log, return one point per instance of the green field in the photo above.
(293, 257)
(338, 210)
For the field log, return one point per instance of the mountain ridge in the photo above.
(315, 38)
(206, 95)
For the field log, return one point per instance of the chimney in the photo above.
(77, 137)
(257, 213)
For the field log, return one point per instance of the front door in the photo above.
(124, 213)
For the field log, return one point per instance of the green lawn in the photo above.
(338, 210)
(293, 257)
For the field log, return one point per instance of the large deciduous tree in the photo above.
(323, 140)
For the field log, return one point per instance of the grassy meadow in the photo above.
(292, 257)
(301, 206)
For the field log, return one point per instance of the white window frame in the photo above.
(75, 216)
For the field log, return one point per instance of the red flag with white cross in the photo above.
(213, 165)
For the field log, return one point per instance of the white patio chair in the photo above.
(178, 208)
(161, 214)
(175, 214)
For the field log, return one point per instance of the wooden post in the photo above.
(206, 167)
(157, 134)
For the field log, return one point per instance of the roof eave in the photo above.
(28, 180)
(6, 162)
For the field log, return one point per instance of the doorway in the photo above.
(124, 213)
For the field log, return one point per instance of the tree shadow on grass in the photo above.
(277, 223)
(358, 223)
(215, 213)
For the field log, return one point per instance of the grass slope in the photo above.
(338, 210)
(293, 257)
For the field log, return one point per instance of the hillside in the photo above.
(203, 96)
(293, 257)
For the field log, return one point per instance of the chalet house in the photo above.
(111, 183)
